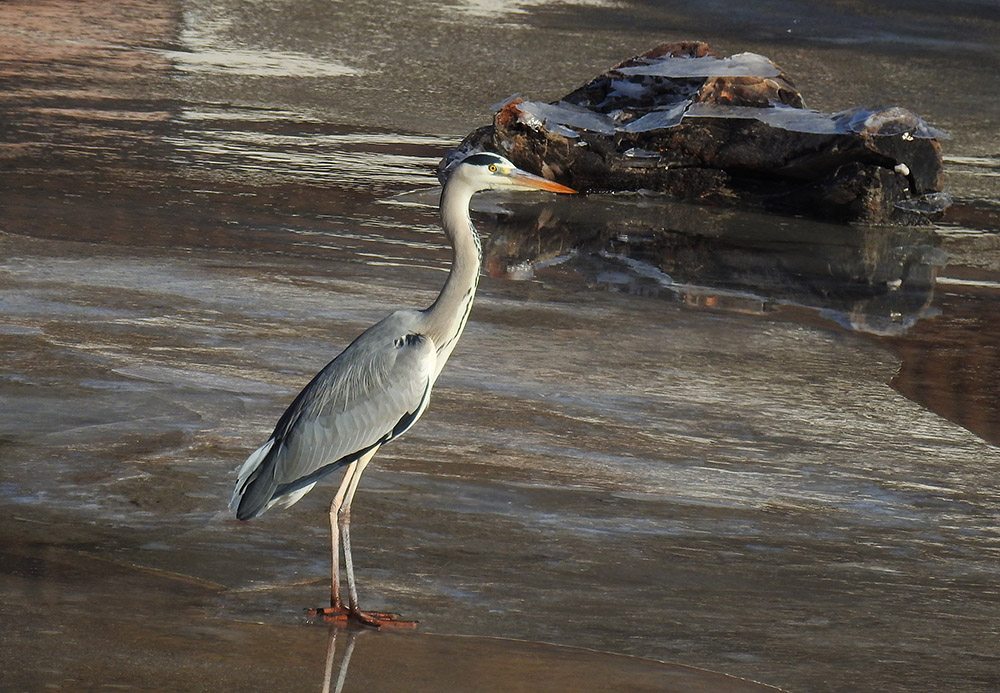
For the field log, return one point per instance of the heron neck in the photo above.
(446, 317)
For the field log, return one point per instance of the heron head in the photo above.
(490, 171)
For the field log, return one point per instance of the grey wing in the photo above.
(374, 391)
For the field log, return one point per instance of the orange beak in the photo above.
(530, 180)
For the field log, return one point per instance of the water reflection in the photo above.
(502, 9)
(209, 44)
(273, 147)
(875, 280)
(390, 662)
(882, 282)
(164, 635)
(345, 661)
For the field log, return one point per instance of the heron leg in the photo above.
(352, 478)
(335, 506)
(340, 539)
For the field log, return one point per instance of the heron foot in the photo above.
(374, 619)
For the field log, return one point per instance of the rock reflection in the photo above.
(873, 280)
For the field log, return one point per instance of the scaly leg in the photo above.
(352, 479)
(344, 520)
(338, 501)
(340, 535)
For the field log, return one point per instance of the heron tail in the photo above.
(255, 484)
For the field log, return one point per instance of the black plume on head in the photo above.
(482, 159)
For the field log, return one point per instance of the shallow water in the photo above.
(727, 451)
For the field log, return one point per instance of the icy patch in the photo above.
(784, 117)
(205, 36)
(498, 10)
(626, 88)
(262, 63)
(740, 65)
(194, 378)
(639, 153)
(562, 117)
(654, 120)
(888, 121)
(932, 203)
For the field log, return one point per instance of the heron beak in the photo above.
(530, 180)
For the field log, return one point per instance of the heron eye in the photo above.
(493, 168)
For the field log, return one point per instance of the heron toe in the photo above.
(375, 619)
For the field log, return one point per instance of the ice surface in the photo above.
(625, 88)
(658, 119)
(785, 117)
(561, 118)
(634, 418)
(740, 65)
(639, 153)
(891, 121)
(535, 113)
(931, 203)
(887, 121)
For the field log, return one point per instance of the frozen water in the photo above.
(887, 121)
(562, 117)
(740, 65)
(714, 478)
(536, 114)
(784, 117)
(661, 118)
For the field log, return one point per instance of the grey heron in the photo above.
(378, 387)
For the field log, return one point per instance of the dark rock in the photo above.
(733, 131)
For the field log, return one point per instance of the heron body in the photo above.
(378, 387)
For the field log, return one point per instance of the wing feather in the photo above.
(372, 392)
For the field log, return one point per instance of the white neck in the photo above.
(446, 317)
